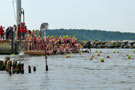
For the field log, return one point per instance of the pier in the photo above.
(7, 47)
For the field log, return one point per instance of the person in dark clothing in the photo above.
(1, 32)
(7, 33)
(19, 33)
(89, 46)
(9, 36)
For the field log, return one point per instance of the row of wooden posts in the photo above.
(14, 67)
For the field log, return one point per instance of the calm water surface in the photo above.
(75, 73)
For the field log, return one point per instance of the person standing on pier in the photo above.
(89, 46)
(34, 42)
(14, 30)
(7, 33)
(1, 33)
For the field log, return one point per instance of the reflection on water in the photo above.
(75, 73)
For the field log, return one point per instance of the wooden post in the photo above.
(29, 69)
(46, 58)
(34, 69)
(22, 68)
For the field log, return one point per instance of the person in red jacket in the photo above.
(1, 33)
(22, 28)
(0, 29)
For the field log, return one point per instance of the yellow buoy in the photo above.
(13, 54)
(107, 56)
(98, 54)
(117, 51)
(129, 57)
(127, 54)
(102, 59)
(91, 57)
(113, 51)
(68, 56)
(100, 51)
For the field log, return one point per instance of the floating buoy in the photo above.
(102, 59)
(13, 54)
(107, 56)
(98, 54)
(129, 57)
(113, 51)
(68, 56)
(96, 51)
(133, 51)
(91, 57)
(117, 51)
(127, 54)
(100, 51)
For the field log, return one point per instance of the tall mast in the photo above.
(18, 10)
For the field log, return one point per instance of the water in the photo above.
(75, 73)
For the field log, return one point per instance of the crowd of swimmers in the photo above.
(53, 44)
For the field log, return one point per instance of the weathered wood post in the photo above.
(34, 69)
(22, 68)
(14, 66)
(29, 69)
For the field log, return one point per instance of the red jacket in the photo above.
(2, 32)
(1, 29)
(22, 29)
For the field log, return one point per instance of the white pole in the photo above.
(18, 20)
(18, 8)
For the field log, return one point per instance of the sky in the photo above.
(109, 15)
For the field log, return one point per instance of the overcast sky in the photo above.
(110, 15)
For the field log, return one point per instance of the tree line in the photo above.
(83, 34)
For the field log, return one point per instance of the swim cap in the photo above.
(28, 35)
